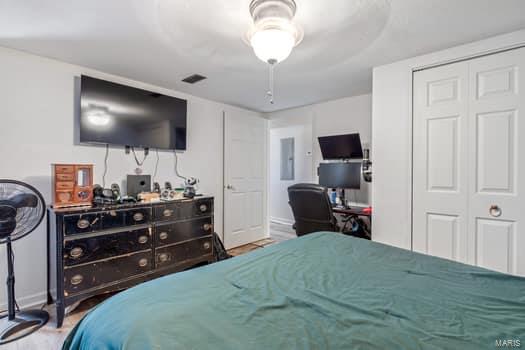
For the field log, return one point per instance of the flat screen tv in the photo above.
(341, 146)
(116, 114)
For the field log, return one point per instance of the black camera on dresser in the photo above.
(102, 249)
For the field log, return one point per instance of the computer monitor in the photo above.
(340, 175)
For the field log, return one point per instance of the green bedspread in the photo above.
(320, 291)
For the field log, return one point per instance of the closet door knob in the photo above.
(495, 211)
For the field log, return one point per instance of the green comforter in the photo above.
(320, 291)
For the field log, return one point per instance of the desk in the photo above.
(361, 211)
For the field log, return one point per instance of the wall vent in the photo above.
(192, 79)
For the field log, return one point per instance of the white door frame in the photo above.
(415, 69)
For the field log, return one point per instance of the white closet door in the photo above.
(497, 162)
(469, 162)
(440, 168)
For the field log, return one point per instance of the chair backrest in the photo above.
(311, 209)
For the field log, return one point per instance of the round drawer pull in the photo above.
(206, 227)
(163, 257)
(167, 212)
(76, 252)
(143, 262)
(163, 235)
(82, 224)
(143, 239)
(138, 216)
(206, 245)
(203, 208)
(77, 279)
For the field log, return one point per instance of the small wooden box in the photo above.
(72, 185)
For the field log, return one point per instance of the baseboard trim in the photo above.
(281, 221)
(30, 301)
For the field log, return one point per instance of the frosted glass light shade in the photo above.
(272, 44)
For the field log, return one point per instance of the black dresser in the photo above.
(102, 249)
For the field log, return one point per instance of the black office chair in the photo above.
(311, 209)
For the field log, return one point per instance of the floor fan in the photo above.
(22, 209)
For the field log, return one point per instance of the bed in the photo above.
(319, 291)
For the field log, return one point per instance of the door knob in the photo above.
(230, 187)
(495, 211)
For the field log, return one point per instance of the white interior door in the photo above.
(245, 178)
(469, 161)
(497, 162)
(440, 173)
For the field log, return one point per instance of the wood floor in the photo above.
(51, 338)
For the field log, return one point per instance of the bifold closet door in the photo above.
(497, 162)
(440, 212)
(469, 161)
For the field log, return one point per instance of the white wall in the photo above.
(343, 116)
(37, 108)
(392, 135)
(280, 211)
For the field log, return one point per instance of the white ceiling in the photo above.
(163, 41)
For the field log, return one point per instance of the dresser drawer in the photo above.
(166, 234)
(179, 253)
(82, 223)
(182, 210)
(195, 208)
(88, 276)
(84, 250)
(138, 216)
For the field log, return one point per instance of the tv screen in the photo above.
(341, 146)
(116, 114)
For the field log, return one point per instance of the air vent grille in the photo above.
(192, 79)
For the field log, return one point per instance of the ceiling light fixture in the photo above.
(273, 34)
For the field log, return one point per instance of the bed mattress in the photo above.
(319, 291)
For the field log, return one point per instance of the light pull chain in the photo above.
(270, 92)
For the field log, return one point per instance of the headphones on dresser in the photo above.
(106, 195)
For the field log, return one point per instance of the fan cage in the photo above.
(27, 219)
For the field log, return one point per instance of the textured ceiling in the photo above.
(163, 41)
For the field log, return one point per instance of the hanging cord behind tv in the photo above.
(156, 164)
(175, 167)
(140, 163)
(105, 167)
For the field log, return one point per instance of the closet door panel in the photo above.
(497, 162)
(440, 186)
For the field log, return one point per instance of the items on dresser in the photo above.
(149, 197)
(106, 195)
(72, 185)
(190, 189)
(137, 184)
(108, 248)
(156, 187)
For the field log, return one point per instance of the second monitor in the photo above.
(340, 175)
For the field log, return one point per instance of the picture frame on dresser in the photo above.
(107, 248)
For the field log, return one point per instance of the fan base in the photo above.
(24, 323)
